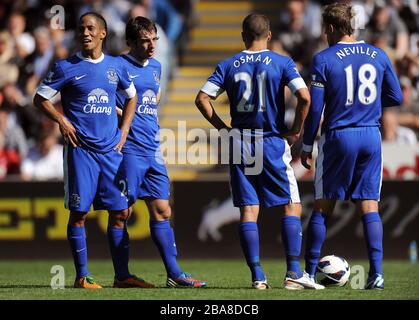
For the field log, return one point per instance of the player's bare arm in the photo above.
(158, 97)
(303, 104)
(204, 105)
(66, 128)
(127, 116)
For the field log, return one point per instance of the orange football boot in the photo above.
(86, 282)
(132, 282)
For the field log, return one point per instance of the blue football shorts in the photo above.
(93, 178)
(147, 177)
(274, 185)
(349, 164)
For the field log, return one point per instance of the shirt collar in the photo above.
(356, 42)
(251, 52)
(143, 64)
(100, 59)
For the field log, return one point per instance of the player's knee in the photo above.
(324, 206)
(77, 219)
(162, 212)
(293, 209)
(118, 218)
(367, 206)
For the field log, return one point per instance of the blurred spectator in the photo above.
(294, 38)
(9, 156)
(393, 132)
(186, 13)
(45, 159)
(39, 62)
(386, 23)
(62, 42)
(163, 13)
(408, 11)
(381, 41)
(14, 136)
(23, 42)
(13, 103)
(9, 72)
(9, 160)
(312, 17)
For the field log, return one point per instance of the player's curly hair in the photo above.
(137, 25)
(339, 15)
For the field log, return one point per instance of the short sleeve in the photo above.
(215, 83)
(125, 84)
(54, 82)
(292, 77)
(158, 75)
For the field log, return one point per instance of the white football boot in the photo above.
(291, 282)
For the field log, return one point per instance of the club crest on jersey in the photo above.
(156, 77)
(95, 100)
(112, 75)
(74, 200)
(48, 78)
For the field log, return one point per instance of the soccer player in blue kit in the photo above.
(254, 80)
(352, 80)
(143, 163)
(88, 82)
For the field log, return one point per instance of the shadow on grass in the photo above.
(24, 286)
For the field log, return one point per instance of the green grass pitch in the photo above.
(226, 279)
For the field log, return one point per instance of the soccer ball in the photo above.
(333, 271)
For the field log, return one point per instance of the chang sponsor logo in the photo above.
(95, 98)
(148, 103)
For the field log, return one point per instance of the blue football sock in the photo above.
(316, 234)
(249, 240)
(373, 233)
(164, 237)
(292, 238)
(77, 238)
(118, 239)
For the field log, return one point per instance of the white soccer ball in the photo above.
(333, 271)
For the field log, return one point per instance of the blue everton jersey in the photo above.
(254, 82)
(143, 138)
(88, 88)
(352, 81)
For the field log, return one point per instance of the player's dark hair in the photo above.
(98, 18)
(256, 26)
(136, 25)
(339, 15)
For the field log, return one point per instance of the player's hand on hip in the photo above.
(68, 132)
(304, 159)
(120, 145)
